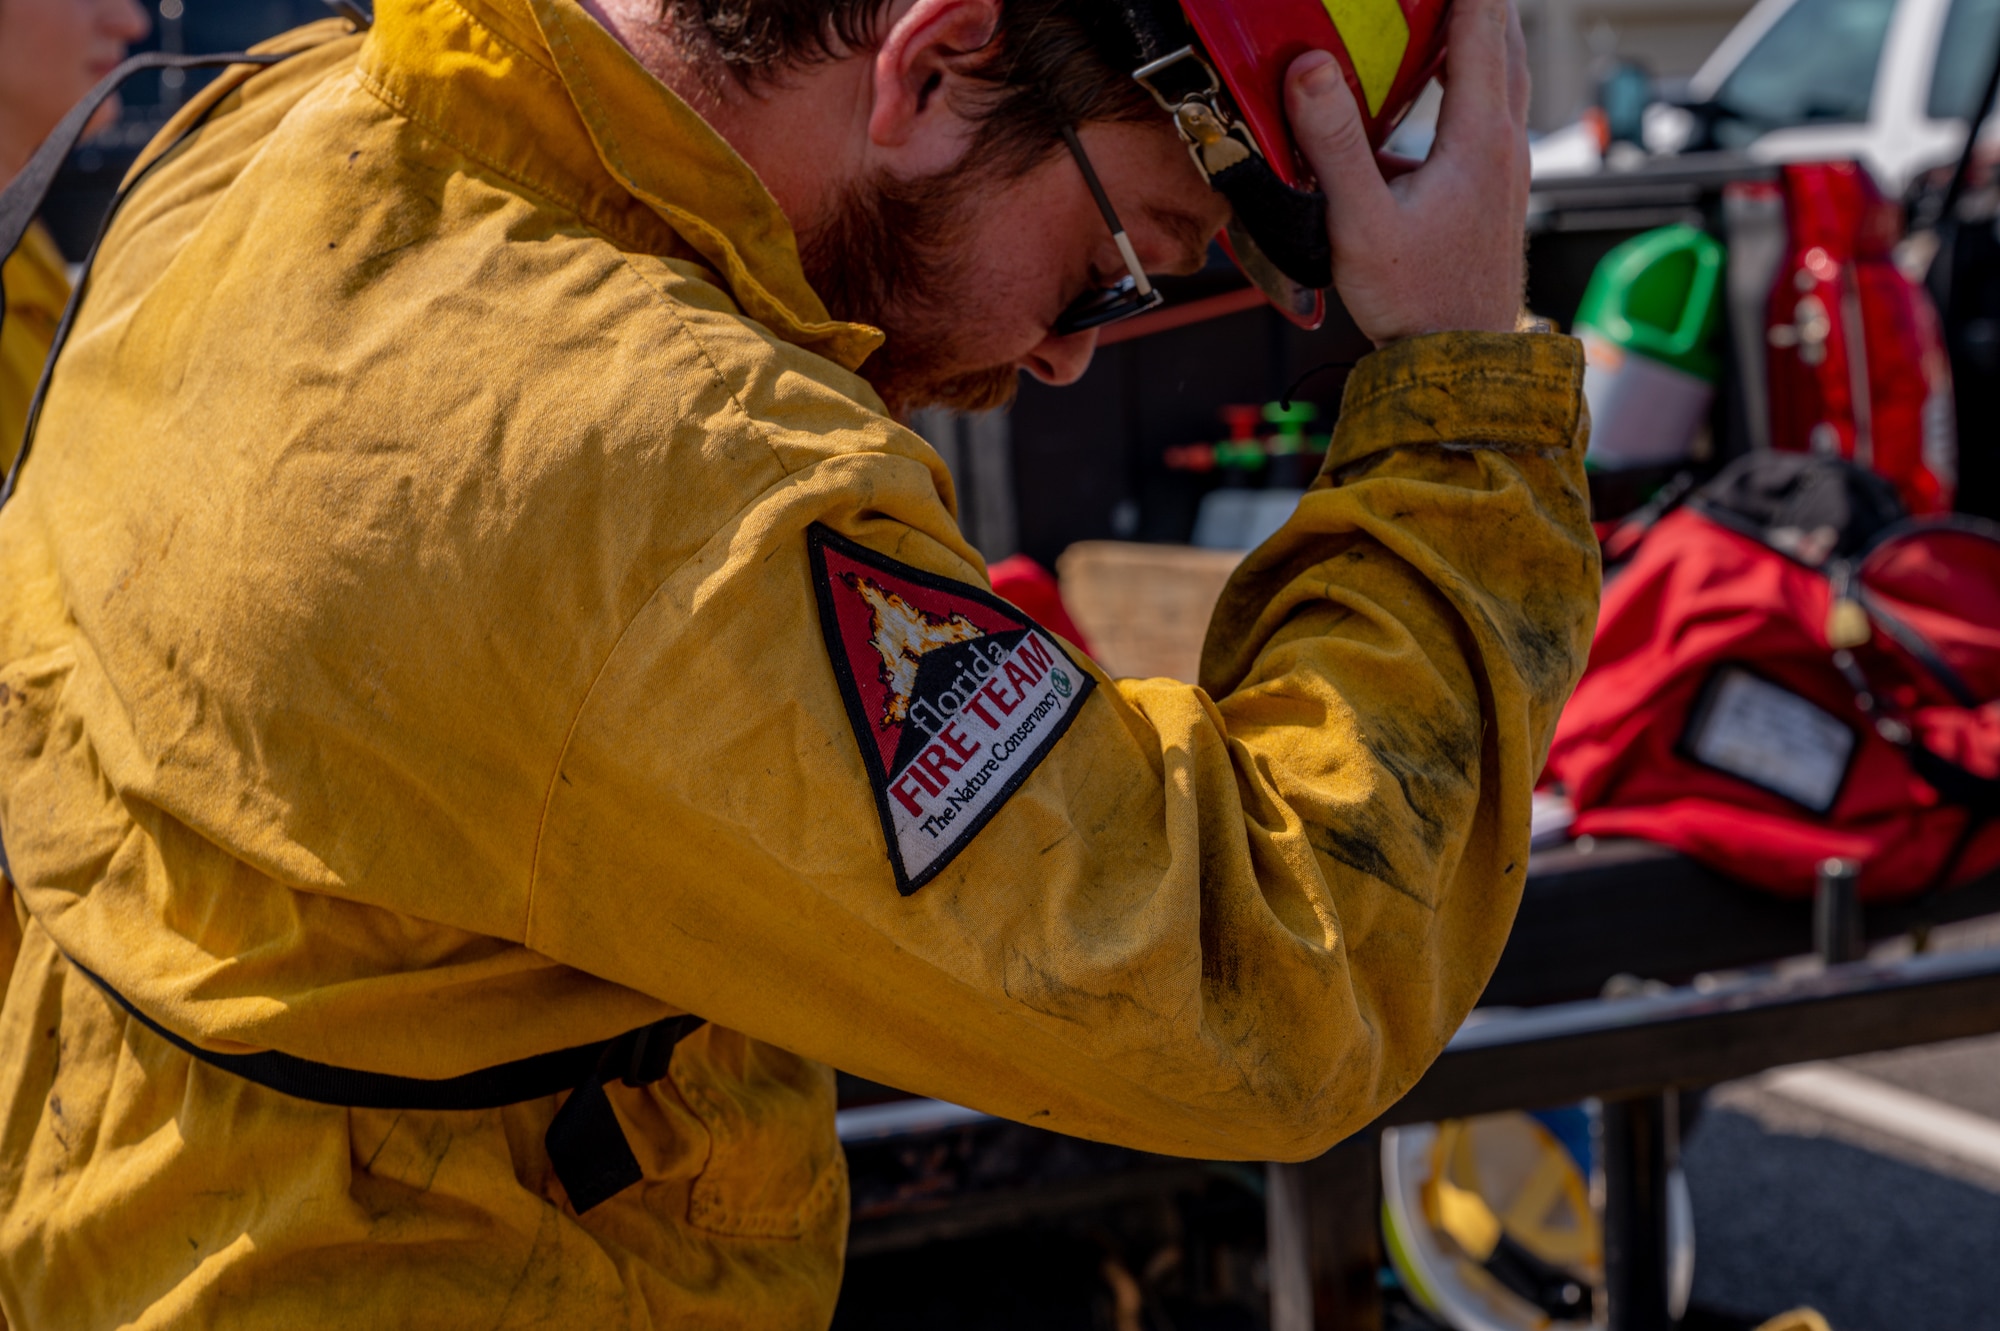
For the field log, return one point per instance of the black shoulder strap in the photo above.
(302, 1079)
(25, 194)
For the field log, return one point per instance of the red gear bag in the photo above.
(1768, 690)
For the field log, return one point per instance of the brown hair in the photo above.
(1042, 70)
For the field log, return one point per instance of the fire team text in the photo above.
(982, 712)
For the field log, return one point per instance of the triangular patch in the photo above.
(955, 696)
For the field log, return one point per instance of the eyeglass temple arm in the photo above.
(1118, 236)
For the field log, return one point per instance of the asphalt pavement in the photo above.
(1868, 1189)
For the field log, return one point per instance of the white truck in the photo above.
(1888, 82)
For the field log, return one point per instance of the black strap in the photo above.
(25, 194)
(1980, 795)
(1954, 784)
(1916, 644)
(586, 1146)
(1288, 224)
(488, 1088)
(1132, 33)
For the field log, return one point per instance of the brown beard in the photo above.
(877, 258)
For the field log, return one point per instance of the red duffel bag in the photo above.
(1785, 671)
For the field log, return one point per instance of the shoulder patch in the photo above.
(955, 696)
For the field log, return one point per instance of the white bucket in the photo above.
(1642, 413)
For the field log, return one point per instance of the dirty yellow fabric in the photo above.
(37, 289)
(408, 661)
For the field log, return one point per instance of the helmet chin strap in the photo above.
(1279, 234)
(1286, 226)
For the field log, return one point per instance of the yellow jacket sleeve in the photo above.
(1234, 920)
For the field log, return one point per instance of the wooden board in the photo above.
(1145, 608)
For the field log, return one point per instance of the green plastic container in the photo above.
(1287, 448)
(1647, 323)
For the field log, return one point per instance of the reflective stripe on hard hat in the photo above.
(1377, 37)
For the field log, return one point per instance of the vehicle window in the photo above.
(1964, 59)
(1815, 66)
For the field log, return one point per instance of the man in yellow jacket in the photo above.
(471, 598)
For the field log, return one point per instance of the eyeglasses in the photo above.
(1131, 294)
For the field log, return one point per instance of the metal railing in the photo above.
(1631, 1053)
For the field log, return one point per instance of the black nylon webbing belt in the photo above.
(587, 1147)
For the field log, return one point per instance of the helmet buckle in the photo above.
(1214, 147)
(1186, 87)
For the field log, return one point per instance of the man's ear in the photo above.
(923, 54)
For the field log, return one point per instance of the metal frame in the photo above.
(1624, 1048)
(924, 1170)
(1593, 910)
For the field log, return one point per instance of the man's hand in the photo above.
(1438, 249)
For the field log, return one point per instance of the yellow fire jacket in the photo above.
(37, 289)
(464, 603)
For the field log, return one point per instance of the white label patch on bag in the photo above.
(1771, 737)
(955, 696)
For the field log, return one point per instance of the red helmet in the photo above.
(1218, 67)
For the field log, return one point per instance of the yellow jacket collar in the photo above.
(538, 91)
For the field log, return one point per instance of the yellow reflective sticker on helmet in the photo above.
(1376, 36)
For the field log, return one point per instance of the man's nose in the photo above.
(1061, 360)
